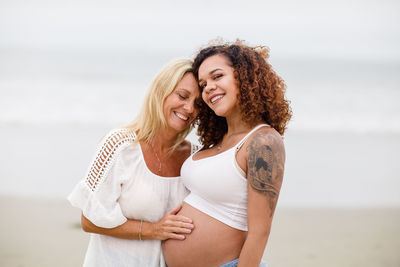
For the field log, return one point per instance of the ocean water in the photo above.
(342, 142)
(78, 87)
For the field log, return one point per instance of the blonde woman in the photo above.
(132, 192)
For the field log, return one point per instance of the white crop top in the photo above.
(218, 187)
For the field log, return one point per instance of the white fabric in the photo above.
(119, 186)
(217, 187)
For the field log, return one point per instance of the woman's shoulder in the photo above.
(121, 133)
(267, 131)
(264, 138)
(114, 142)
(108, 151)
(118, 137)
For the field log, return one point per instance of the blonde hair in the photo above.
(151, 116)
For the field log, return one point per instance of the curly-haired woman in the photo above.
(236, 178)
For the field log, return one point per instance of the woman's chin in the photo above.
(178, 126)
(220, 113)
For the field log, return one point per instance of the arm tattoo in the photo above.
(265, 166)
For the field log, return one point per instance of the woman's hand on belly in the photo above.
(211, 243)
(171, 226)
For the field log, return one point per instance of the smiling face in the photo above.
(219, 86)
(179, 107)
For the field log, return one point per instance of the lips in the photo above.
(181, 116)
(216, 98)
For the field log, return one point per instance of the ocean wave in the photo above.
(358, 126)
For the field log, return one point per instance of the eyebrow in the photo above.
(211, 72)
(183, 89)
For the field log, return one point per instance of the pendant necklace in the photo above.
(159, 161)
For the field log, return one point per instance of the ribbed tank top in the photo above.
(217, 187)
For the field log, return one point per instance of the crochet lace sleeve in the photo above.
(106, 155)
(98, 193)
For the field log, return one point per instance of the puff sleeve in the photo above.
(98, 193)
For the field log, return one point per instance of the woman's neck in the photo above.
(237, 125)
(163, 140)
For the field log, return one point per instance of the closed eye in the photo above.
(216, 77)
(182, 96)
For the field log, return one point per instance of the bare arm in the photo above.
(170, 226)
(265, 167)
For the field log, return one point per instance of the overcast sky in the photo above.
(356, 29)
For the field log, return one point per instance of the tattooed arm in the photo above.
(265, 165)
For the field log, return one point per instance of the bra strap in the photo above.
(239, 145)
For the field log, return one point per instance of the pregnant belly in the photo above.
(211, 243)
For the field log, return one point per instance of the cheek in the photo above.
(204, 96)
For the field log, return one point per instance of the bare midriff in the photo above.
(211, 243)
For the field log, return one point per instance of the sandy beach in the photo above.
(46, 232)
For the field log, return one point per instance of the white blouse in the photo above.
(119, 186)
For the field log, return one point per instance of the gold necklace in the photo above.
(155, 153)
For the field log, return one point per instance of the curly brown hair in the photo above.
(261, 91)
